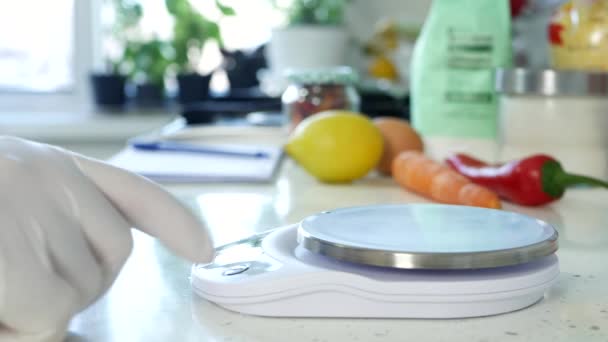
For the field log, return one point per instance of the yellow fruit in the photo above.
(383, 68)
(336, 146)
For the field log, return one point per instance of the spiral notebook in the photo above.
(174, 166)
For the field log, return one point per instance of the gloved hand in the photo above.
(65, 233)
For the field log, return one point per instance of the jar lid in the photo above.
(337, 75)
(550, 82)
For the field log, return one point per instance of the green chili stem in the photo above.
(568, 179)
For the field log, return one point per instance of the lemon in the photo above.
(336, 146)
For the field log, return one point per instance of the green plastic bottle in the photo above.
(454, 105)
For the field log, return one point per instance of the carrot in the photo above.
(414, 171)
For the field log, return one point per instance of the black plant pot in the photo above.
(242, 78)
(242, 68)
(192, 87)
(149, 94)
(108, 89)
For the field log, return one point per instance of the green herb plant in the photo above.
(149, 60)
(127, 15)
(314, 12)
(141, 59)
(191, 31)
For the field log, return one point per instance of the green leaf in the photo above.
(178, 7)
(226, 10)
(213, 31)
(171, 6)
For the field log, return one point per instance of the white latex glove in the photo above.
(65, 233)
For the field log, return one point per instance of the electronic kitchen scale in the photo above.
(409, 261)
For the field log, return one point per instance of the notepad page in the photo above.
(169, 166)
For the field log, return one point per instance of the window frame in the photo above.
(86, 56)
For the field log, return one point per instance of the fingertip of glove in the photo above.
(197, 247)
(205, 256)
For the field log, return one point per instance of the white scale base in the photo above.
(271, 275)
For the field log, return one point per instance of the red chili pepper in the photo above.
(536, 180)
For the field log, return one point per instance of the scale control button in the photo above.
(234, 270)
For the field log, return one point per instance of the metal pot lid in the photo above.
(427, 236)
(550, 82)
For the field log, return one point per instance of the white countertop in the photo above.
(152, 299)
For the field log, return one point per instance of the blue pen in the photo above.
(179, 147)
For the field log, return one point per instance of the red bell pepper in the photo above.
(536, 180)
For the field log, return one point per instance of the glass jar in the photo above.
(314, 91)
(578, 35)
(556, 112)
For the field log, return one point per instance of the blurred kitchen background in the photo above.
(90, 74)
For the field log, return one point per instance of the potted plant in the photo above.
(191, 30)
(148, 63)
(314, 37)
(108, 85)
